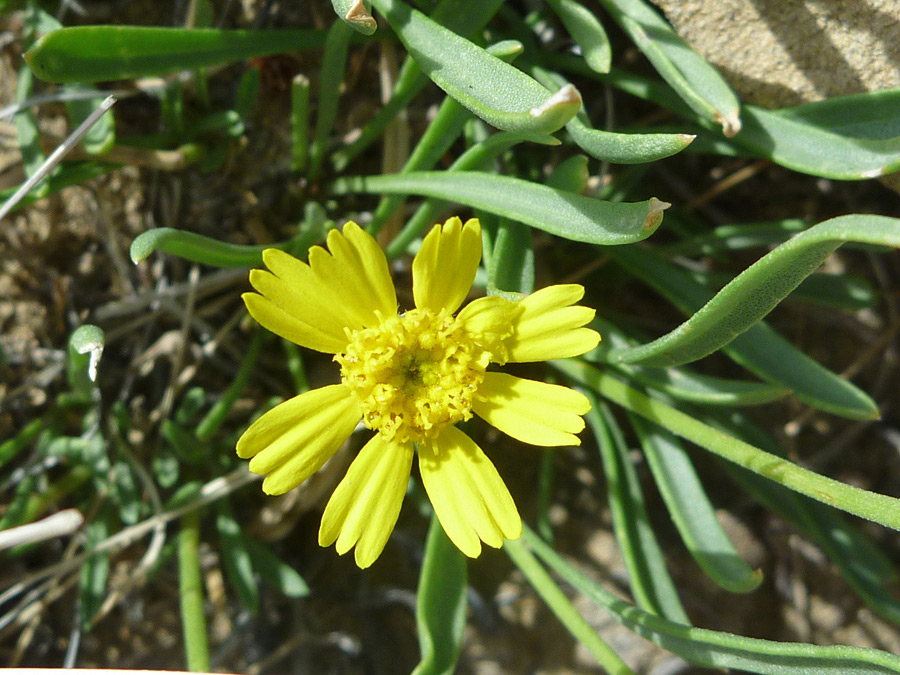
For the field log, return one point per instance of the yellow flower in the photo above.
(410, 377)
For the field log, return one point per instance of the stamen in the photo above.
(414, 374)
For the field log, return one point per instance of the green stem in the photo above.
(558, 602)
(214, 418)
(334, 64)
(190, 586)
(872, 506)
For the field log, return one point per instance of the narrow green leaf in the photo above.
(760, 349)
(477, 157)
(878, 508)
(273, 571)
(94, 571)
(737, 238)
(100, 137)
(331, 75)
(98, 53)
(695, 80)
(356, 15)
(716, 649)
(197, 248)
(247, 93)
(757, 290)
(37, 22)
(862, 564)
(512, 261)
(586, 31)
(216, 416)
(465, 17)
(691, 510)
(66, 175)
(609, 146)
(440, 604)
(190, 594)
(649, 580)
(27, 133)
(871, 115)
(442, 132)
(495, 91)
(561, 213)
(792, 141)
(685, 385)
(127, 493)
(560, 605)
(84, 352)
(681, 383)
(840, 291)
(236, 559)
(13, 446)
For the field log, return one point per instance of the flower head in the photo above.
(410, 377)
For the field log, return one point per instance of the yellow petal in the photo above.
(280, 322)
(295, 288)
(364, 508)
(490, 320)
(444, 268)
(548, 327)
(469, 497)
(357, 273)
(532, 412)
(294, 439)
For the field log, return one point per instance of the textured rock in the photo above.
(777, 53)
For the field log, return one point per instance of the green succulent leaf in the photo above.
(355, 14)
(649, 579)
(759, 349)
(98, 53)
(500, 94)
(692, 77)
(691, 510)
(615, 147)
(564, 214)
(587, 32)
(715, 649)
(441, 604)
(757, 290)
(873, 506)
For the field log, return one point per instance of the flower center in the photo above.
(413, 374)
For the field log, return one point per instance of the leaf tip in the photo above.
(730, 123)
(360, 18)
(567, 96)
(139, 250)
(655, 213)
(873, 173)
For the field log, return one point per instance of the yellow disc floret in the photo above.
(414, 374)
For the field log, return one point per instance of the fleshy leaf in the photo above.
(355, 14)
(564, 214)
(440, 603)
(695, 80)
(649, 579)
(619, 148)
(99, 53)
(757, 290)
(587, 32)
(495, 91)
(691, 510)
(716, 649)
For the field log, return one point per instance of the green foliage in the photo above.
(511, 140)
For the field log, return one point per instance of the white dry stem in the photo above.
(58, 525)
(56, 156)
